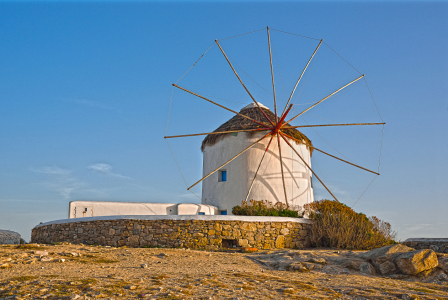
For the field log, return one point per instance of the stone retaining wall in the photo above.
(9, 237)
(195, 234)
(437, 245)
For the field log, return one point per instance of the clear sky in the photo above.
(85, 91)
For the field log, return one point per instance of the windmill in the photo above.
(271, 129)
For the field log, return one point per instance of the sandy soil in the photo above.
(95, 272)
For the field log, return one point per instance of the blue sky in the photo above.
(85, 91)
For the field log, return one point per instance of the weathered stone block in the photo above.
(280, 242)
(242, 242)
(249, 227)
(417, 261)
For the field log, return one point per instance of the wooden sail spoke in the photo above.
(303, 72)
(247, 148)
(346, 161)
(325, 98)
(327, 125)
(256, 173)
(234, 71)
(281, 168)
(216, 132)
(272, 75)
(332, 155)
(309, 167)
(179, 87)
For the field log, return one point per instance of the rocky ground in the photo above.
(94, 272)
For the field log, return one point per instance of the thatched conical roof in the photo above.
(238, 122)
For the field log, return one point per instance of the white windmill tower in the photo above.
(236, 152)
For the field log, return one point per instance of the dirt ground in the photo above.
(95, 272)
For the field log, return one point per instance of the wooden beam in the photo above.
(332, 155)
(219, 105)
(346, 161)
(303, 72)
(247, 148)
(326, 98)
(309, 167)
(216, 132)
(234, 71)
(272, 75)
(327, 125)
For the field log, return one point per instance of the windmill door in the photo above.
(83, 211)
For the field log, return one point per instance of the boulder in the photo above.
(383, 258)
(387, 268)
(367, 268)
(416, 261)
(443, 263)
(9, 237)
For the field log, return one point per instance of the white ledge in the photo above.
(182, 217)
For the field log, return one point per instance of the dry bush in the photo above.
(338, 226)
(266, 208)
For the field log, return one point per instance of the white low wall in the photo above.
(83, 209)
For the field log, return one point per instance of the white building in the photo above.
(81, 209)
(229, 186)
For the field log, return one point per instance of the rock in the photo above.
(9, 237)
(60, 260)
(144, 295)
(309, 266)
(46, 259)
(434, 248)
(384, 253)
(416, 261)
(280, 242)
(382, 258)
(144, 266)
(367, 268)
(387, 268)
(75, 283)
(298, 267)
(74, 297)
(442, 277)
(130, 287)
(288, 290)
(318, 261)
(41, 253)
(443, 263)
(406, 297)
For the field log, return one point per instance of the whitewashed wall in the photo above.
(241, 171)
(80, 209)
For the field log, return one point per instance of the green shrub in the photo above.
(266, 208)
(338, 226)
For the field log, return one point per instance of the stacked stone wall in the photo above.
(437, 245)
(194, 234)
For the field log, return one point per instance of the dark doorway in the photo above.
(228, 243)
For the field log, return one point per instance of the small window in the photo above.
(222, 176)
(201, 213)
(223, 212)
(311, 181)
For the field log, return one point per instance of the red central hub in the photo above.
(276, 128)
